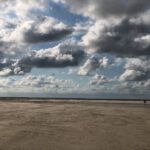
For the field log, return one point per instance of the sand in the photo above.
(74, 126)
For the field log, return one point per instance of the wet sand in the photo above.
(74, 126)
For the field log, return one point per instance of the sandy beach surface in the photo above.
(74, 125)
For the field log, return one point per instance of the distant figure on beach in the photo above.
(144, 101)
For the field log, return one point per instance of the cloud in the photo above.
(26, 29)
(59, 56)
(45, 29)
(107, 8)
(11, 49)
(32, 37)
(136, 69)
(98, 80)
(21, 8)
(144, 40)
(124, 39)
(92, 64)
(44, 82)
(37, 84)
(105, 28)
(36, 81)
(21, 28)
(93, 9)
(63, 55)
(5, 72)
(48, 29)
(8, 67)
(133, 75)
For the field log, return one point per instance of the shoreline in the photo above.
(89, 103)
(76, 98)
(70, 100)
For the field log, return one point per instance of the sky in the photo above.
(75, 48)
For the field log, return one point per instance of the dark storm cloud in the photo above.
(124, 39)
(105, 8)
(42, 29)
(118, 7)
(121, 39)
(10, 25)
(8, 67)
(74, 50)
(4, 63)
(1, 53)
(64, 59)
(45, 62)
(34, 37)
(40, 59)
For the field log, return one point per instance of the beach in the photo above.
(74, 125)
